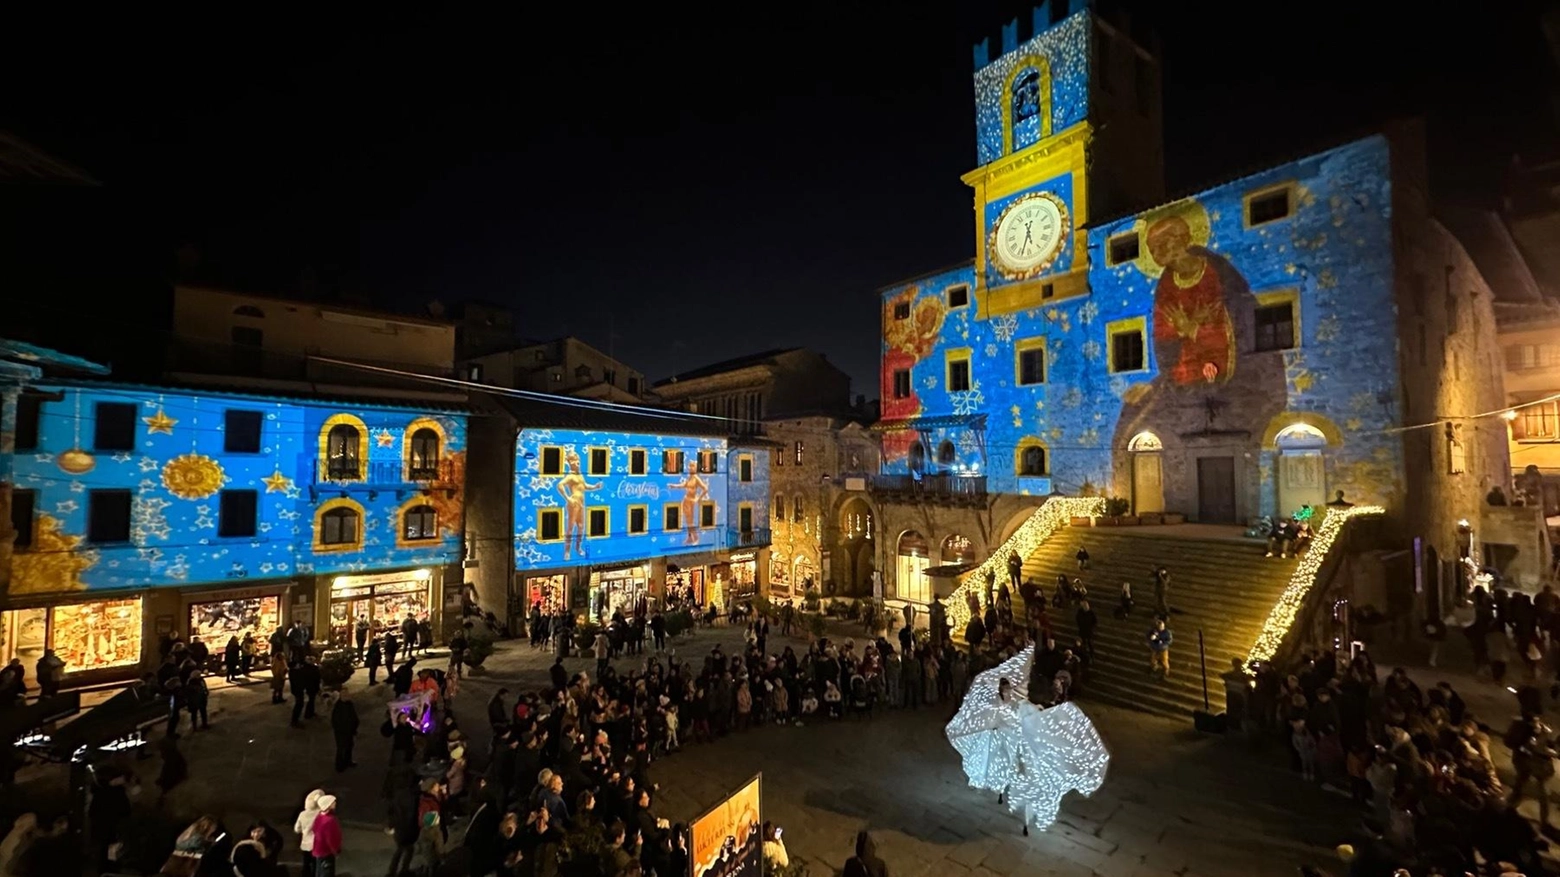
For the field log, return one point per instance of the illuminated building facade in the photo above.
(1247, 350)
(145, 510)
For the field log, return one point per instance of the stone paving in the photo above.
(1175, 803)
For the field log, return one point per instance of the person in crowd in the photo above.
(246, 654)
(50, 672)
(278, 677)
(362, 632)
(303, 826)
(1159, 639)
(305, 676)
(372, 660)
(231, 654)
(344, 728)
(327, 837)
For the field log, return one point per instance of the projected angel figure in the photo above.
(694, 490)
(1031, 757)
(573, 486)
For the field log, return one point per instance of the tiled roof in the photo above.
(568, 413)
(728, 365)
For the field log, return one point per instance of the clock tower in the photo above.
(1067, 132)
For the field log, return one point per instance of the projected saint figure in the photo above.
(573, 486)
(694, 490)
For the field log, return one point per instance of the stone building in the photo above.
(563, 366)
(818, 464)
(751, 389)
(1247, 350)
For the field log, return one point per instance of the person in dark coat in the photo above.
(409, 634)
(401, 679)
(106, 815)
(344, 727)
(559, 675)
(1087, 622)
(231, 656)
(362, 635)
(482, 839)
(305, 681)
(498, 714)
(392, 646)
(175, 769)
(372, 662)
(866, 862)
(402, 797)
(403, 738)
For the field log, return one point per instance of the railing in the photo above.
(737, 537)
(341, 473)
(1057, 512)
(931, 485)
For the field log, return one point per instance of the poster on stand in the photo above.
(726, 841)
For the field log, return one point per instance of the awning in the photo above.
(972, 421)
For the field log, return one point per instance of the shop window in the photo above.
(1122, 248)
(598, 523)
(958, 296)
(636, 461)
(779, 506)
(108, 516)
(800, 450)
(638, 520)
(340, 526)
(1541, 421)
(1031, 461)
(958, 370)
(1126, 345)
(745, 469)
(552, 461)
(241, 431)
(98, 635)
(425, 455)
(114, 427)
(549, 525)
(796, 509)
(342, 461)
(1276, 326)
(29, 413)
(745, 519)
(236, 513)
(901, 310)
(708, 462)
(420, 522)
(22, 502)
(902, 383)
(1269, 205)
(671, 462)
(217, 620)
(1031, 361)
(599, 461)
(706, 514)
(671, 518)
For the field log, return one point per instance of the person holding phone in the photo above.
(775, 856)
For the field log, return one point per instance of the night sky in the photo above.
(680, 189)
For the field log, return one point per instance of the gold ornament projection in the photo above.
(276, 482)
(193, 476)
(75, 461)
(159, 422)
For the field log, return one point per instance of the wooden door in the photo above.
(1216, 490)
(1148, 484)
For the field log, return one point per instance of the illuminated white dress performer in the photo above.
(1031, 757)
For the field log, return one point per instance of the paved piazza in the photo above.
(1174, 803)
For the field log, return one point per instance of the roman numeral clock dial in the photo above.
(1028, 236)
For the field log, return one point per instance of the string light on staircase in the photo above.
(1282, 616)
(1057, 512)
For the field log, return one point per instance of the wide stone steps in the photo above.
(1223, 587)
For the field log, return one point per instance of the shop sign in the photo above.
(340, 582)
(245, 594)
(741, 556)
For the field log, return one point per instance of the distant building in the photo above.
(563, 366)
(749, 390)
(481, 328)
(818, 466)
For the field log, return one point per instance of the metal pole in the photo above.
(1202, 657)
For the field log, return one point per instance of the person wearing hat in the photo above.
(429, 851)
(327, 837)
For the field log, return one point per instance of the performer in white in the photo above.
(1031, 757)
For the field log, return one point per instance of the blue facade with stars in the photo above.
(178, 458)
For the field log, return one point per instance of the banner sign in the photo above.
(726, 841)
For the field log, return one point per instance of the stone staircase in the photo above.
(1222, 585)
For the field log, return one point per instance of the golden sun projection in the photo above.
(193, 476)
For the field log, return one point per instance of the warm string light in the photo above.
(1282, 616)
(1032, 755)
(1056, 513)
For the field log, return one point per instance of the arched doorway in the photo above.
(958, 549)
(911, 559)
(917, 458)
(1302, 469)
(802, 574)
(1148, 475)
(856, 548)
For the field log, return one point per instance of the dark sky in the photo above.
(679, 188)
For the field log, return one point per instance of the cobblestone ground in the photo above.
(1174, 802)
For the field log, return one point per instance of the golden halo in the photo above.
(1191, 212)
(192, 476)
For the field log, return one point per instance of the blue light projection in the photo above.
(1060, 59)
(170, 454)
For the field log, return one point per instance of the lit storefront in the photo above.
(742, 577)
(681, 583)
(97, 635)
(217, 616)
(552, 592)
(385, 599)
(621, 588)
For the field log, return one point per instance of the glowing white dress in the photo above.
(1036, 756)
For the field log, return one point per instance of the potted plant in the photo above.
(336, 667)
(1117, 509)
(585, 636)
(816, 625)
(479, 646)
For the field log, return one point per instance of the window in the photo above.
(339, 527)
(248, 343)
(638, 520)
(22, 502)
(583, 374)
(799, 449)
(946, 453)
(777, 457)
(248, 311)
(901, 310)
(1031, 460)
(917, 457)
(549, 525)
(958, 371)
(671, 518)
(425, 455)
(241, 431)
(1048, 290)
(1126, 345)
(236, 513)
(474, 372)
(779, 506)
(797, 511)
(1537, 422)
(1122, 248)
(708, 462)
(552, 461)
(901, 383)
(1031, 362)
(1026, 96)
(609, 376)
(958, 296)
(556, 376)
(744, 468)
(108, 516)
(1276, 326)
(114, 429)
(745, 519)
(598, 461)
(341, 453)
(1519, 357)
(1456, 456)
(706, 514)
(633, 386)
(29, 412)
(1268, 206)
(598, 523)
(671, 462)
(636, 461)
(541, 356)
(420, 522)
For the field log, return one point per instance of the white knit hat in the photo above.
(326, 803)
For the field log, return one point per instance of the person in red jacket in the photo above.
(327, 837)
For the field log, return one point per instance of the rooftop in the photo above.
(325, 398)
(323, 304)
(566, 412)
(729, 365)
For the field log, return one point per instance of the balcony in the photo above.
(757, 537)
(346, 473)
(940, 489)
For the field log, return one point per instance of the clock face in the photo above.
(1028, 236)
